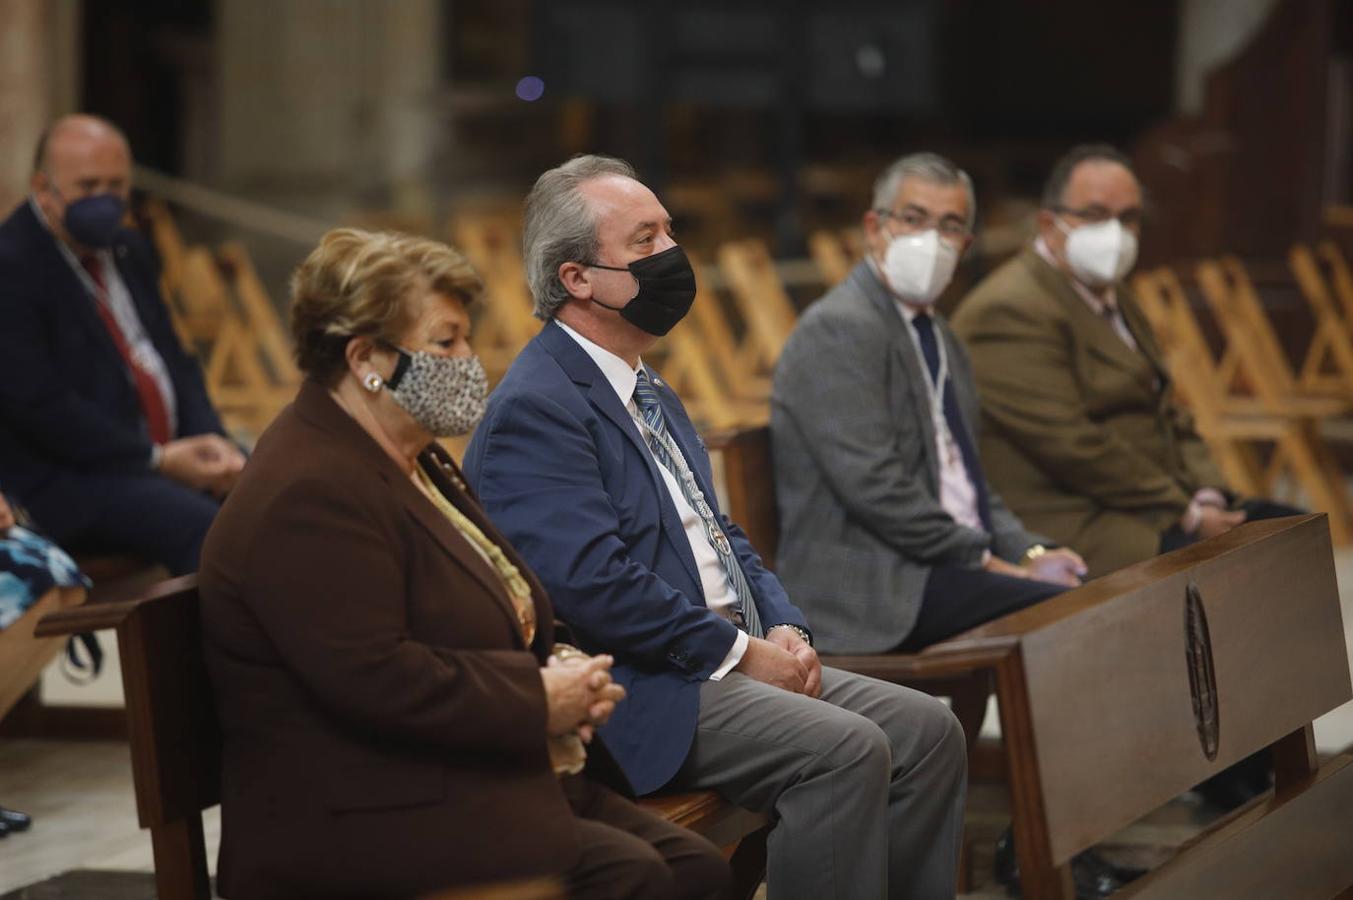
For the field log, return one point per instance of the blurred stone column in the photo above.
(39, 42)
(329, 106)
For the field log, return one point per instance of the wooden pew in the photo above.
(1123, 693)
(176, 742)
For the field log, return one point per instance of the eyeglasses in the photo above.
(1094, 215)
(915, 220)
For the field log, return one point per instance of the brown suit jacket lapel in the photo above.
(1100, 337)
(315, 404)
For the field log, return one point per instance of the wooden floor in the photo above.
(80, 795)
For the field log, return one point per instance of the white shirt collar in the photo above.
(616, 370)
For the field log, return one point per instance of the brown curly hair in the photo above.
(360, 283)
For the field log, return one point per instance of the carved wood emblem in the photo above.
(1202, 672)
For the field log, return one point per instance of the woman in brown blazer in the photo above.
(397, 715)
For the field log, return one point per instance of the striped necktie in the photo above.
(668, 455)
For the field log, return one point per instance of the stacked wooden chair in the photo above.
(1239, 426)
(766, 309)
(223, 313)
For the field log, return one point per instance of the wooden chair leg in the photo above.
(748, 863)
(969, 703)
(1039, 878)
(180, 860)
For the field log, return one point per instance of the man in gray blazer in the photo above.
(890, 537)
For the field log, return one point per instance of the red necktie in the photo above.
(147, 391)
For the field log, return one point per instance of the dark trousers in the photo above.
(147, 516)
(1259, 508)
(628, 852)
(956, 599)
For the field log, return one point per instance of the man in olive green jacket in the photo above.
(1081, 433)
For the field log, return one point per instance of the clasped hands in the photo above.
(579, 693)
(783, 659)
(204, 462)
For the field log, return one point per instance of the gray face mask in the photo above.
(444, 394)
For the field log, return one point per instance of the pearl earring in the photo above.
(372, 382)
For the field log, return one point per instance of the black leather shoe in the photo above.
(13, 820)
(4, 830)
(1121, 874)
(1005, 867)
(1093, 876)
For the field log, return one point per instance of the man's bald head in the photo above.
(74, 132)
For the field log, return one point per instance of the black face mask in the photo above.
(666, 291)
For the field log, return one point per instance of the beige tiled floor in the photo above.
(81, 794)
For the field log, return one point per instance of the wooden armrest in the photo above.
(98, 616)
(943, 660)
(707, 814)
(82, 618)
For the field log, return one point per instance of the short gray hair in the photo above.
(929, 167)
(559, 226)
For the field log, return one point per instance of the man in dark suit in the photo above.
(107, 436)
(891, 536)
(588, 463)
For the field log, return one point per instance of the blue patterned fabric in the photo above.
(30, 566)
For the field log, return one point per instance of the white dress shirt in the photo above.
(958, 495)
(719, 594)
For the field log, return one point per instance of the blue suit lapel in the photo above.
(579, 367)
(76, 299)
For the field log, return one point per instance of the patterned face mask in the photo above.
(444, 394)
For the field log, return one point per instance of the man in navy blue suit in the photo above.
(589, 464)
(107, 436)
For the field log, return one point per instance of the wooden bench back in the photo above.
(1144, 682)
(749, 481)
(178, 768)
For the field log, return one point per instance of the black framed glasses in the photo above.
(915, 220)
(1096, 214)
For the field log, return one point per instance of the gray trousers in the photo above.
(867, 784)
